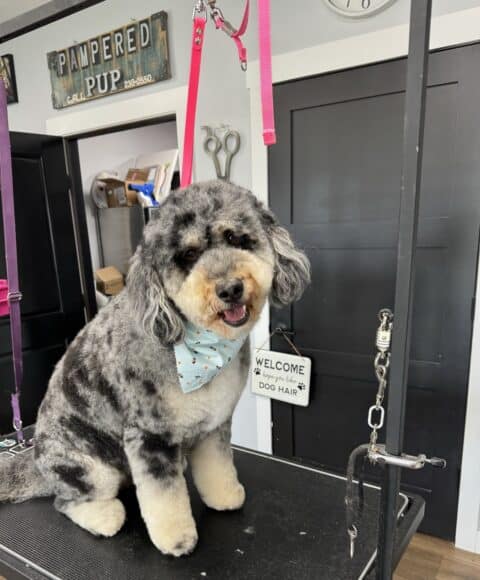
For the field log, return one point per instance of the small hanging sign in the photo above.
(128, 57)
(285, 377)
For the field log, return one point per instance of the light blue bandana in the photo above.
(202, 355)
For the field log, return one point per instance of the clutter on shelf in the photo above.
(147, 182)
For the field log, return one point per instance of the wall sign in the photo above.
(123, 59)
(7, 74)
(281, 376)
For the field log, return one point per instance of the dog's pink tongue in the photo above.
(235, 313)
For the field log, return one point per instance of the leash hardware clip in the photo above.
(352, 534)
(199, 8)
(380, 455)
(221, 22)
(14, 296)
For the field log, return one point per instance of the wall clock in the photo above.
(357, 8)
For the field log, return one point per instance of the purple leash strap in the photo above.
(14, 295)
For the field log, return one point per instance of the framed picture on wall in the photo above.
(7, 74)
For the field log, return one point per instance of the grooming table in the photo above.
(291, 527)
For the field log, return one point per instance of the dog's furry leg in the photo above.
(103, 517)
(214, 472)
(157, 471)
(85, 488)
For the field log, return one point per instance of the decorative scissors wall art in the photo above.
(219, 139)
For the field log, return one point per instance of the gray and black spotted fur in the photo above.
(114, 410)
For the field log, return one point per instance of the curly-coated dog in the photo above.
(115, 410)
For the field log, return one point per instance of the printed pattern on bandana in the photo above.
(202, 355)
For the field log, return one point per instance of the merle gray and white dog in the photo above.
(114, 411)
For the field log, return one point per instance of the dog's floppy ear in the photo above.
(149, 301)
(291, 272)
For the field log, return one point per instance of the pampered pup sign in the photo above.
(123, 59)
(281, 376)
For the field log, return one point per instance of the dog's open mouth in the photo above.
(236, 315)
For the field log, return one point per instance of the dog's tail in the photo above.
(20, 479)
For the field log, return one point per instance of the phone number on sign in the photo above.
(138, 82)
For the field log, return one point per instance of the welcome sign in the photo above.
(281, 376)
(123, 59)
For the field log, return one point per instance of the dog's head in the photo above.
(212, 255)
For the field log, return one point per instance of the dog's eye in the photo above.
(243, 241)
(246, 242)
(191, 255)
(231, 238)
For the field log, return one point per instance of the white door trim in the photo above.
(447, 30)
(137, 109)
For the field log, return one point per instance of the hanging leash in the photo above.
(200, 11)
(14, 295)
(198, 35)
(265, 49)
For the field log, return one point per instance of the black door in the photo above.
(335, 179)
(52, 305)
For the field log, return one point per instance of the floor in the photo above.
(429, 558)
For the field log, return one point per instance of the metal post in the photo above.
(414, 120)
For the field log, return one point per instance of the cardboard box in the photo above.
(115, 190)
(109, 280)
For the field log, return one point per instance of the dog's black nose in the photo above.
(230, 291)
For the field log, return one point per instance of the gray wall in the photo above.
(223, 97)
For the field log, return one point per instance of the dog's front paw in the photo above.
(101, 517)
(230, 496)
(174, 538)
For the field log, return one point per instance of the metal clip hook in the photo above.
(221, 22)
(18, 426)
(352, 534)
(14, 296)
(199, 8)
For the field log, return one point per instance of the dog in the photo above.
(115, 412)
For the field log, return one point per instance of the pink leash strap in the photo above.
(198, 36)
(235, 34)
(264, 41)
(14, 295)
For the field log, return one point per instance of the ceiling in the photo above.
(11, 8)
(18, 17)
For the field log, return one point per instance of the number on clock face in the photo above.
(357, 8)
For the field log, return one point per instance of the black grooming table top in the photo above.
(291, 527)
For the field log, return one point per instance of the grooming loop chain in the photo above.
(377, 453)
(376, 413)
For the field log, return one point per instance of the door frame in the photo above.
(448, 31)
(127, 114)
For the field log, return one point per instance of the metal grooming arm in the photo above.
(414, 121)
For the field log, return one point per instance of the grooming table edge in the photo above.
(273, 504)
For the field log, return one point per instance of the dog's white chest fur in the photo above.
(211, 405)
